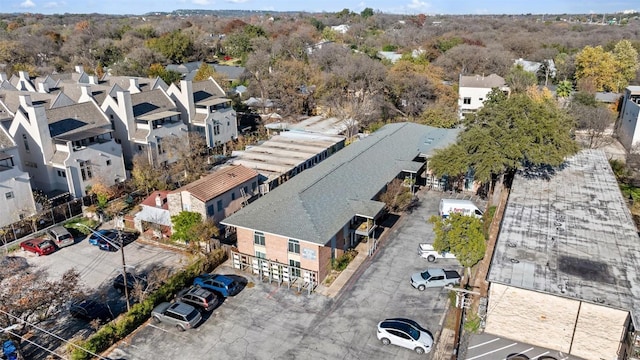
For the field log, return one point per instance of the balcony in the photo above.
(365, 228)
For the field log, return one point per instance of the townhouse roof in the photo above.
(211, 102)
(481, 81)
(158, 115)
(218, 182)
(5, 139)
(84, 134)
(151, 102)
(315, 204)
(11, 99)
(74, 120)
(204, 90)
(568, 232)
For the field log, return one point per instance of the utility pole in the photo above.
(124, 266)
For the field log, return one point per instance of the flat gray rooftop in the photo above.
(570, 234)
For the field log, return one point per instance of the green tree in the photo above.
(240, 43)
(505, 134)
(519, 79)
(168, 76)
(184, 225)
(600, 66)
(176, 46)
(564, 89)
(626, 57)
(367, 12)
(460, 235)
(145, 177)
(439, 116)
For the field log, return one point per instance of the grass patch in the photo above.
(77, 225)
(472, 323)
(343, 261)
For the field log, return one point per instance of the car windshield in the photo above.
(415, 334)
(45, 244)
(64, 237)
(425, 275)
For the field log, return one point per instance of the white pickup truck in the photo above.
(426, 251)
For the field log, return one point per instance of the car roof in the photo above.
(181, 308)
(221, 278)
(198, 291)
(410, 322)
(162, 307)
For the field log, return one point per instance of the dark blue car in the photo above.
(95, 238)
(219, 284)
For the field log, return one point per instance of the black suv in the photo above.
(90, 310)
(132, 282)
(198, 297)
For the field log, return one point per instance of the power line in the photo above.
(51, 334)
(38, 345)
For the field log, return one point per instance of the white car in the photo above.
(405, 333)
(426, 251)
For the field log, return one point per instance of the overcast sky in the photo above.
(387, 6)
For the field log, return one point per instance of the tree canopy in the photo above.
(460, 235)
(508, 133)
(184, 225)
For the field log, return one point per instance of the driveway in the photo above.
(265, 321)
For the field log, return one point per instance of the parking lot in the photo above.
(265, 321)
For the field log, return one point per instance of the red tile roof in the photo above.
(151, 200)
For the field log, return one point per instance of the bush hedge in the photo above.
(126, 323)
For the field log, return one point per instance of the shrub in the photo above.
(343, 261)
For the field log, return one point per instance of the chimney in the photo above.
(3, 76)
(93, 80)
(133, 85)
(79, 69)
(43, 88)
(24, 75)
(25, 100)
(85, 92)
(158, 201)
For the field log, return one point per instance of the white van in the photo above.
(464, 207)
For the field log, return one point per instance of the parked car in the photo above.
(90, 310)
(405, 333)
(38, 246)
(60, 236)
(178, 314)
(132, 282)
(220, 284)
(100, 234)
(198, 297)
(434, 278)
(426, 251)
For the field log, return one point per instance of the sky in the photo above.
(137, 7)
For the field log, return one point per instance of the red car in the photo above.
(38, 246)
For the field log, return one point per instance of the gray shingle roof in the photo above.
(205, 89)
(150, 102)
(571, 235)
(315, 204)
(68, 120)
(477, 81)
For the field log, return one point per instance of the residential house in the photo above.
(546, 68)
(317, 124)
(66, 148)
(564, 273)
(146, 123)
(205, 108)
(473, 91)
(16, 196)
(154, 219)
(216, 195)
(298, 227)
(627, 127)
(286, 155)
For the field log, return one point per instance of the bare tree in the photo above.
(593, 123)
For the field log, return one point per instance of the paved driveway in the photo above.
(265, 321)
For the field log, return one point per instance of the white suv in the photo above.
(405, 333)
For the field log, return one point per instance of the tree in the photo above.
(564, 89)
(176, 46)
(592, 120)
(168, 76)
(397, 196)
(505, 134)
(145, 176)
(460, 235)
(189, 154)
(184, 225)
(204, 72)
(439, 116)
(367, 12)
(597, 64)
(519, 79)
(626, 58)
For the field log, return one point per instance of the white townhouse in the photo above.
(144, 123)
(206, 109)
(473, 91)
(66, 148)
(16, 196)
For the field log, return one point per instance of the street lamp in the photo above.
(124, 265)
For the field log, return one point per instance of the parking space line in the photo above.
(492, 351)
(167, 331)
(537, 356)
(484, 343)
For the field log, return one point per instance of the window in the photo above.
(108, 162)
(466, 101)
(62, 173)
(261, 255)
(210, 210)
(258, 238)
(295, 268)
(294, 246)
(161, 150)
(26, 142)
(85, 170)
(216, 130)
(219, 205)
(233, 196)
(9, 195)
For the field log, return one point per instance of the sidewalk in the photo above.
(346, 274)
